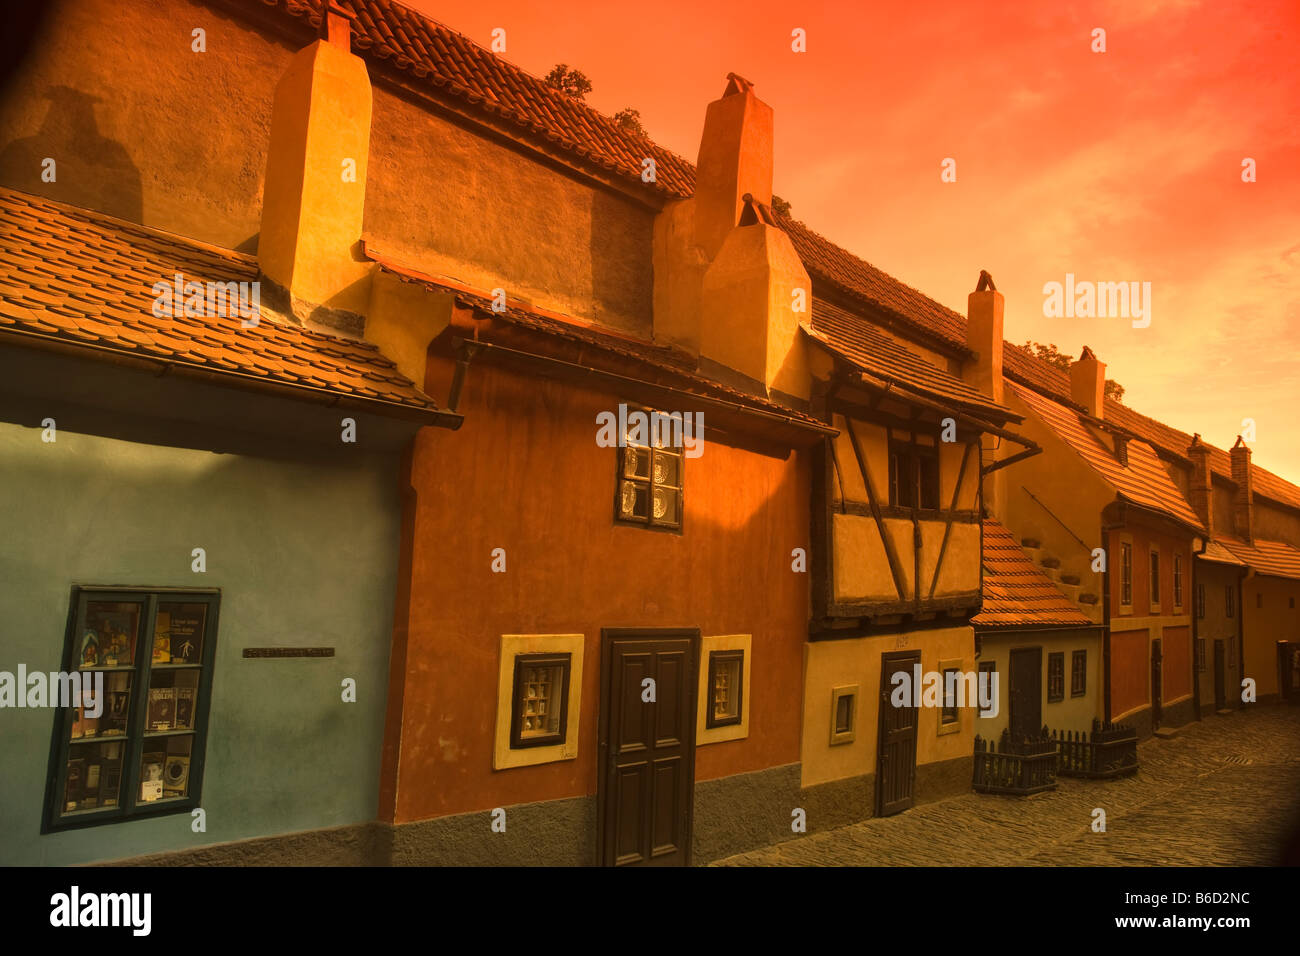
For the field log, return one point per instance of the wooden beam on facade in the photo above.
(894, 568)
(952, 512)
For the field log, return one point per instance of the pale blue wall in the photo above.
(303, 554)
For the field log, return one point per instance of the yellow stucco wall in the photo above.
(1071, 713)
(1267, 618)
(829, 664)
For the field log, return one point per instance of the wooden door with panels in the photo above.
(896, 745)
(645, 793)
(1025, 699)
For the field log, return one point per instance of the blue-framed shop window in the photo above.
(143, 754)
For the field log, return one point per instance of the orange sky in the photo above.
(1118, 166)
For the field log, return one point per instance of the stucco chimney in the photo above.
(735, 159)
(314, 193)
(984, 310)
(1243, 505)
(749, 322)
(1202, 487)
(1088, 383)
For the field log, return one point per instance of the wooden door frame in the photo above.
(912, 656)
(1220, 674)
(607, 635)
(1157, 664)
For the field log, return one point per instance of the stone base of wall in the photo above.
(547, 833)
(732, 815)
(360, 844)
(745, 811)
(1176, 715)
(945, 778)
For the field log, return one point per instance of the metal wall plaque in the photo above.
(288, 652)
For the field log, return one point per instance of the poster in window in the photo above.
(176, 774)
(108, 634)
(185, 708)
(185, 631)
(76, 781)
(162, 638)
(162, 708)
(151, 778)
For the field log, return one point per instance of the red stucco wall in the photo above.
(524, 473)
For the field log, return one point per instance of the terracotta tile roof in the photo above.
(390, 35)
(1019, 365)
(1271, 558)
(1142, 481)
(1214, 551)
(875, 353)
(862, 281)
(72, 276)
(1016, 592)
(657, 360)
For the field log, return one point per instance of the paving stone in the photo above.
(1224, 791)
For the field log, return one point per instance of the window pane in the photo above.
(666, 509)
(178, 633)
(844, 714)
(111, 721)
(929, 468)
(540, 687)
(949, 712)
(165, 768)
(726, 688)
(94, 775)
(108, 634)
(634, 502)
(636, 463)
(667, 469)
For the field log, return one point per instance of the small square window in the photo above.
(1155, 580)
(726, 690)
(1229, 601)
(540, 710)
(844, 714)
(1079, 674)
(1178, 581)
(1055, 677)
(949, 713)
(1126, 574)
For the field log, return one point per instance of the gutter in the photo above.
(306, 393)
(466, 349)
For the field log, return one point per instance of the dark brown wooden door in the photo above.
(1025, 699)
(647, 747)
(896, 745)
(1156, 664)
(1220, 677)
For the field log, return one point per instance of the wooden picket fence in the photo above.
(1023, 766)
(1110, 752)
(1031, 764)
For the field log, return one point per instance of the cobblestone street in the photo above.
(1224, 791)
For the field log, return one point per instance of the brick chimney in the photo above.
(984, 309)
(1243, 506)
(727, 277)
(314, 194)
(1088, 383)
(1202, 488)
(735, 159)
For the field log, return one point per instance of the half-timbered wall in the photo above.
(875, 558)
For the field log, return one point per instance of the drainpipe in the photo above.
(1196, 629)
(1241, 629)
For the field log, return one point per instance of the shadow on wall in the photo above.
(88, 169)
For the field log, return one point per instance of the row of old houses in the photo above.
(364, 582)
